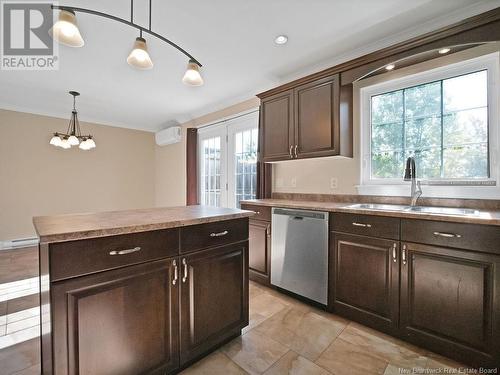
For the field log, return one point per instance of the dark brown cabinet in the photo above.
(450, 302)
(259, 247)
(214, 298)
(304, 122)
(276, 127)
(123, 321)
(365, 280)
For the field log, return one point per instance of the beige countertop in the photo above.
(69, 227)
(484, 217)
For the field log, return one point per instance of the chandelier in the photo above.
(73, 136)
(65, 31)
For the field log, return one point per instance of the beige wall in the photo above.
(39, 179)
(171, 160)
(315, 175)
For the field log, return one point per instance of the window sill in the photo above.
(433, 191)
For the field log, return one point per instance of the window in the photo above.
(445, 118)
(228, 161)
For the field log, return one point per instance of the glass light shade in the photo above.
(65, 143)
(192, 77)
(84, 145)
(65, 30)
(73, 140)
(139, 56)
(91, 143)
(56, 141)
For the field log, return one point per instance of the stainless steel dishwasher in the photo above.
(299, 252)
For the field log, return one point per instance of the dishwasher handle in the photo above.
(300, 214)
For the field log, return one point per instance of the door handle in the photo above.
(290, 152)
(403, 255)
(126, 251)
(295, 152)
(394, 253)
(184, 263)
(176, 275)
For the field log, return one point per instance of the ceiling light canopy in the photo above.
(281, 39)
(73, 136)
(139, 56)
(65, 31)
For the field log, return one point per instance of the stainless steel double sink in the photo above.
(417, 209)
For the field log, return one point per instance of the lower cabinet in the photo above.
(214, 298)
(450, 302)
(259, 250)
(364, 282)
(123, 321)
(151, 318)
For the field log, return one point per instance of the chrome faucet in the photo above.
(411, 175)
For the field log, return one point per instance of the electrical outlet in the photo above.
(334, 183)
(293, 182)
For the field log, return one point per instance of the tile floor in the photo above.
(284, 336)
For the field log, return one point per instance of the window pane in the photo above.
(470, 126)
(210, 177)
(445, 128)
(387, 108)
(464, 92)
(423, 100)
(466, 161)
(246, 161)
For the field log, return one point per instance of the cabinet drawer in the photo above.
(195, 237)
(76, 258)
(484, 238)
(261, 212)
(366, 225)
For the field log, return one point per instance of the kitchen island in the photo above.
(141, 291)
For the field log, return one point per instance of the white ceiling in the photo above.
(233, 39)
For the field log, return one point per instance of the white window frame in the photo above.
(474, 188)
(226, 129)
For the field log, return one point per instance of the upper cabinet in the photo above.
(304, 122)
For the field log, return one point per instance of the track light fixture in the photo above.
(65, 31)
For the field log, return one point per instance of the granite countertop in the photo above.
(69, 227)
(484, 217)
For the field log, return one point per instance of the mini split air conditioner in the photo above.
(168, 136)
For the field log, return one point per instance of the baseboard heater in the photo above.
(17, 243)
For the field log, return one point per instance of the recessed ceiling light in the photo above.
(442, 51)
(281, 39)
(390, 67)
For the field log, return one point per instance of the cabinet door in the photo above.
(214, 298)
(276, 127)
(450, 302)
(259, 260)
(117, 322)
(364, 280)
(317, 131)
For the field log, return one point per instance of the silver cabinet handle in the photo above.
(290, 152)
(295, 152)
(403, 255)
(394, 253)
(268, 231)
(126, 251)
(220, 234)
(176, 275)
(447, 235)
(362, 225)
(184, 263)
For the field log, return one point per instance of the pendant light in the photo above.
(73, 136)
(192, 77)
(139, 56)
(66, 31)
